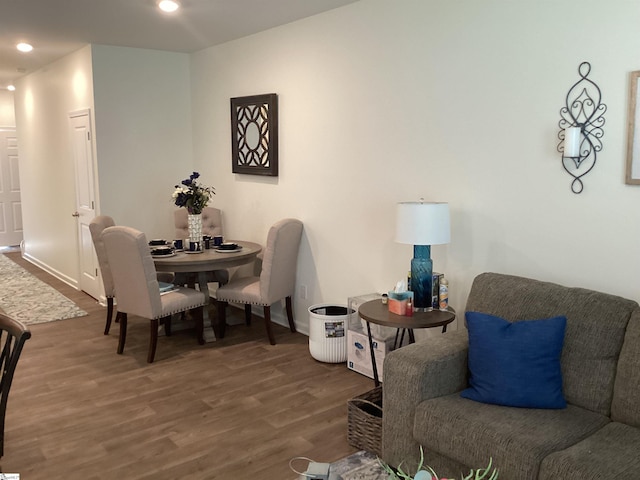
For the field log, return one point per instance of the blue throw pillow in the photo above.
(516, 364)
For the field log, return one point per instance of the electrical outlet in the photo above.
(303, 292)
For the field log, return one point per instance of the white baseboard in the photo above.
(52, 271)
(279, 316)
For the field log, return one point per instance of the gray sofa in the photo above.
(596, 437)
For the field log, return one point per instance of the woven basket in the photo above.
(364, 421)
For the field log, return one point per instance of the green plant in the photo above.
(425, 472)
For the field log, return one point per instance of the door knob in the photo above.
(75, 214)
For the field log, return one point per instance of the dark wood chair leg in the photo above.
(222, 318)
(247, 314)
(122, 317)
(107, 325)
(267, 323)
(167, 325)
(197, 315)
(153, 340)
(292, 325)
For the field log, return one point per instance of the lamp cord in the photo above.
(296, 471)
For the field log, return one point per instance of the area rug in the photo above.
(30, 300)
(359, 466)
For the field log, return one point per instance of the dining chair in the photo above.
(13, 334)
(137, 290)
(276, 280)
(212, 226)
(96, 227)
(211, 222)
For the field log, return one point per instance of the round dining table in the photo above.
(205, 261)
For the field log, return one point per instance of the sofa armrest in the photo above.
(429, 369)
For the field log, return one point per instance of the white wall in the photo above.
(47, 171)
(143, 134)
(379, 102)
(142, 145)
(455, 101)
(7, 113)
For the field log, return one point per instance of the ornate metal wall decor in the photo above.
(581, 122)
(254, 134)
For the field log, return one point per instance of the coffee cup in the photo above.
(217, 240)
(194, 246)
(177, 244)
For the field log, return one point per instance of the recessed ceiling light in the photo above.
(11, 88)
(168, 5)
(24, 47)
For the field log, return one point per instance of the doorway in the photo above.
(10, 204)
(82, 145)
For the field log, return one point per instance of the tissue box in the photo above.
(398, 302)
(399, 307)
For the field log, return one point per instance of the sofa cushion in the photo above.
(516, 438)
(515, 364)
(596, 324)
(626, 393)
(611, 452)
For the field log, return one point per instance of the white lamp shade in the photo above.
(424, 223)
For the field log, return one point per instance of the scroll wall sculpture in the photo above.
(581, 122)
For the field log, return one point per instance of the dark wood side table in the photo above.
(377, 312)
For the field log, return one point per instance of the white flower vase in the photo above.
(195, 228)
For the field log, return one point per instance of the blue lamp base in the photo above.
(422, 277)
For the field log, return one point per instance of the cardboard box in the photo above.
(359, 355)
(354, 304)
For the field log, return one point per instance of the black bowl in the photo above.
(228, 246)
(158, 242)
(162, 251)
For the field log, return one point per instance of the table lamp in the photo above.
(422, 224)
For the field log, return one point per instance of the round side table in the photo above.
(377, 312)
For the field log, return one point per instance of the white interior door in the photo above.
(82, 141)
(10, 206)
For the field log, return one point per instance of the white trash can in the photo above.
(328, 332)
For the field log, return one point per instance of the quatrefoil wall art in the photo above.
(581, 122)
(254, 134)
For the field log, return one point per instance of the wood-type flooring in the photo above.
(234, 409)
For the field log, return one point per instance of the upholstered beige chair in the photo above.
(212, 226)
(136, 287)
(211, 222)
(96, 227)
(276, 280)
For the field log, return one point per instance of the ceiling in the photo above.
(56, 28)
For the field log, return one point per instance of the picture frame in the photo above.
(632, 176)
(254, 134)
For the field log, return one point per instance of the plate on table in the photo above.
(158, 243)
(163, 255)
(229, 250)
